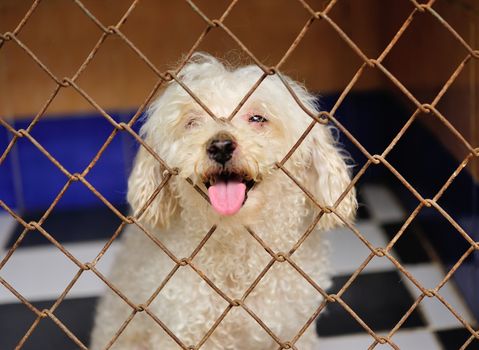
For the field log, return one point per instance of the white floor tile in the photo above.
(382, 204)
(348, 252)
(405, 339)
(349, 342)
(416, 340)
(43, 272)
(7, 224)
(438, 316)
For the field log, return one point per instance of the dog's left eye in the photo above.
(257, 119)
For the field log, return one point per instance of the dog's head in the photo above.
(234, 162)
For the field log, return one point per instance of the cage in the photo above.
(398, 80)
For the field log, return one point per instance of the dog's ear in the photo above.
(145, 178)
(328, 177)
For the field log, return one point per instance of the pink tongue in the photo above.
(227, 197)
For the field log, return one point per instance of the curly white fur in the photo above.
(178, 129)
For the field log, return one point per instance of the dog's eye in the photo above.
(192, 123)
(257, 119)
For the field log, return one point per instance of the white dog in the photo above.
(235, 164)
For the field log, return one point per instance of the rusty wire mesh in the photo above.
(11, 38)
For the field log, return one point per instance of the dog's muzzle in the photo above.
(227, 187)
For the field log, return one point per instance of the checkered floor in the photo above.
(380, 295)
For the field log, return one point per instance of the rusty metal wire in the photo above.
(12, 38)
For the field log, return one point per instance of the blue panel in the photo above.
(74, 142)
(7, 189)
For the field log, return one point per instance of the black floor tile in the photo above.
(76, 314)
(380, 299)
(68, 226)
(409, 247)
(453, 339)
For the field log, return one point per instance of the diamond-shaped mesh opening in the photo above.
(239, 315)
(242, 24)
(360, 28)
(357, 252)
(215, 30)
(357, 108)
(36, 35)
(68, 222)
(276, 309)
(234, 277)
(27, 320)
(147, 32)
(423, 160)
(21, 274)
(39, 162)
(71, 129)
(358, 301)
(109, 94)
(432, 277)
(414, 67)
(17, 14)
(302, 63)
(201, 310)
(35, 83)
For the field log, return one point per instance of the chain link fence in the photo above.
(325, 117)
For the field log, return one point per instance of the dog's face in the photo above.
(232, 161)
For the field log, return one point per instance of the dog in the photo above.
(251, 204)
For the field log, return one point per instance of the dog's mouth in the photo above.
(227, 191)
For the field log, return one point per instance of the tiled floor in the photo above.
(380, 295)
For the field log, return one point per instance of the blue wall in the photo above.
(74, 142)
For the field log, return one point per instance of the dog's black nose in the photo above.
(220, 148)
